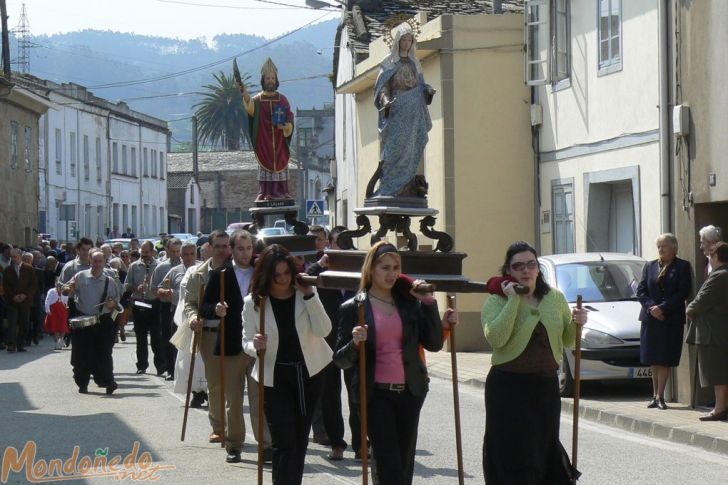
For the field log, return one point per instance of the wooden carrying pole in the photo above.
(261, 394)
(222, 360)
(195, 344)
(577, 390)
(456, 395)
(363, 448)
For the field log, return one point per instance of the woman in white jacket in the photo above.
(295, 354)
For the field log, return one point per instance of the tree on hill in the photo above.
(222, 119)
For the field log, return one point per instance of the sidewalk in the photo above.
(678, 424)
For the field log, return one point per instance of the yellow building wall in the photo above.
(494, 176)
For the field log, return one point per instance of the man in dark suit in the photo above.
(237, 275)
(330, 401)
(20, 285)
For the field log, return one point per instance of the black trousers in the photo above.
(354, 421)
(331, 406)
(147, 323)
(18, 324)
(92, 353)
(288, 408)
(168, 328)
(393, 420)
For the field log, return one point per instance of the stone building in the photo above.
(20, 111)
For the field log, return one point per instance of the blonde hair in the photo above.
(371, 260)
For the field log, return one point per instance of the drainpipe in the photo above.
(664, 113)
(140, 172)
(109, 222)
(535, 143)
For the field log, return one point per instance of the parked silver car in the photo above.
(610, 340)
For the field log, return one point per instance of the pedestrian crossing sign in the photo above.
(314, 208)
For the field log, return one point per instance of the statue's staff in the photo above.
(456, 395)
(363, 448)
(577, 390)
(261, 394)
(195, 344)
(222, 357)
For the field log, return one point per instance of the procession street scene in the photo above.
(363, 241)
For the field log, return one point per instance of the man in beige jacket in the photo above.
(220, 243)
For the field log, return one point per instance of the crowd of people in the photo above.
(215, 298)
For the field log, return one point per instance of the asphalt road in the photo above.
(39, 402)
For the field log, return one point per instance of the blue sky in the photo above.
(184, 19)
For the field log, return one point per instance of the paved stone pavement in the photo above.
(622, 410)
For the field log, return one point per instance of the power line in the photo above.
(287, 5)
(206, 66)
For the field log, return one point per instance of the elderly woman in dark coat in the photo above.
(665, 286)
(708, 331)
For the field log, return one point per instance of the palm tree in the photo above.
(221, 115)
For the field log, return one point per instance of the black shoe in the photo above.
(169, 377)
(233, 456)
(22, 349)
(661, 404)
(198, 398)
(653, 403)
(122, 334)
(141, 371)
(83, 390)
(268, 455)
(2, 346)
(111, 388)
(162, 373)
(35, 340)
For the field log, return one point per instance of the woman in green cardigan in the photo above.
(527, 332)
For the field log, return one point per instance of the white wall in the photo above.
(346, 139)
(67, 187)
(605, 122)
(94, 199)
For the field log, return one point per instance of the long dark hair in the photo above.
(542, 288)
(265, 269)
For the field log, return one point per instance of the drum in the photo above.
(83, 322)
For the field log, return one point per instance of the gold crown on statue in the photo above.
(269, 68)
(397, 20)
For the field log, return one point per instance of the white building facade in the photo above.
(594, 68)
(103, 166)
(345, 173)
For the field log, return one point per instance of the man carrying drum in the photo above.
(93, 329)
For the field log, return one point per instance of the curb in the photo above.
(624, 422)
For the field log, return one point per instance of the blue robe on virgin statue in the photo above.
(404, 131)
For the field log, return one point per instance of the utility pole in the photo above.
(6, 41)
(22, 32)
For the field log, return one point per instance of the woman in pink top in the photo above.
(397, 323)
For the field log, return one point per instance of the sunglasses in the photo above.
(520, 266)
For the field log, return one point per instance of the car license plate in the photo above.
(639, 372)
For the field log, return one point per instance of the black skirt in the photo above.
(521, 446)
(661, 343)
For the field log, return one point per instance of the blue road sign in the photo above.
(314, 208)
